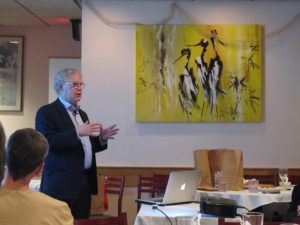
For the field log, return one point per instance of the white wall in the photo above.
(40, 44)
(108, 66)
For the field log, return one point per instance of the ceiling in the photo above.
(39, 12)
(53, 12)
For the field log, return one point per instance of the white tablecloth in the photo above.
(246, 199)
(149, 216)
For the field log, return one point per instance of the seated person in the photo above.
(26, 151)
(294, 209)
(2, 152)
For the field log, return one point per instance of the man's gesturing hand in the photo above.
(89, 129)
(108, 133)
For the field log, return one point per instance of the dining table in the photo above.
(247, 199)
(166, 215)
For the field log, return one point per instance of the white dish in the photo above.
(285, 185)
(270, 190)
(285, 188)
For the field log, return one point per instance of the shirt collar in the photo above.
(67, 105)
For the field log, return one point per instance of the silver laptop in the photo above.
(181, 188)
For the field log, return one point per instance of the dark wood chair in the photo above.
(114, 186)
(145, 185)
(297, 220)
(263, 179)
(119, 220)
(294, 179)
(160, 182)
(154, 185)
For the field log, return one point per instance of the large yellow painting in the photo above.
(205, 73)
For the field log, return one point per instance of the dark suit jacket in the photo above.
(295, 201)
(62, 176)
(295, 198)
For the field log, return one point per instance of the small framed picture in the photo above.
(11, 71)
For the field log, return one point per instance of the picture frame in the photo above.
(11, 72)
(199, 73)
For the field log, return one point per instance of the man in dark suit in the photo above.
(294, 209)
(70, 171)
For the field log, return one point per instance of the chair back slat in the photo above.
(117, 192)
(297, 220)
(115, 185)
(156, 184)
(294, 179)
(160, 182)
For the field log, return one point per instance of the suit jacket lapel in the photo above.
(63, 114)
(83, 116)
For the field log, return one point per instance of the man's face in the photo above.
(71, 91)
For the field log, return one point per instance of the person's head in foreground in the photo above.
(25, 152)
(2, 152)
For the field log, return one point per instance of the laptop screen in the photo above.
(182, 186)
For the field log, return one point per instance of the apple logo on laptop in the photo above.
(182, 187)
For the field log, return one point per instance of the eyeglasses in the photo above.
(76, 85)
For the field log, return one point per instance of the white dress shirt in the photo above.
(85, 140)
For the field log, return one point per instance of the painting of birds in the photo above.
(192, 67)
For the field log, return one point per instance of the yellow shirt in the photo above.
(32, 208)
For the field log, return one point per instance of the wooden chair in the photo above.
(263, 179)
(294, 179)
(145, 185)
(297, 220)
(119, 220)
(160, 182)
(115, 186)
(154, 185)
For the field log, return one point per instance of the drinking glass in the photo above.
(223, 185)
(187, 220)
(253, 218)
(283, 174)
(253, 186)
(218, 176)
